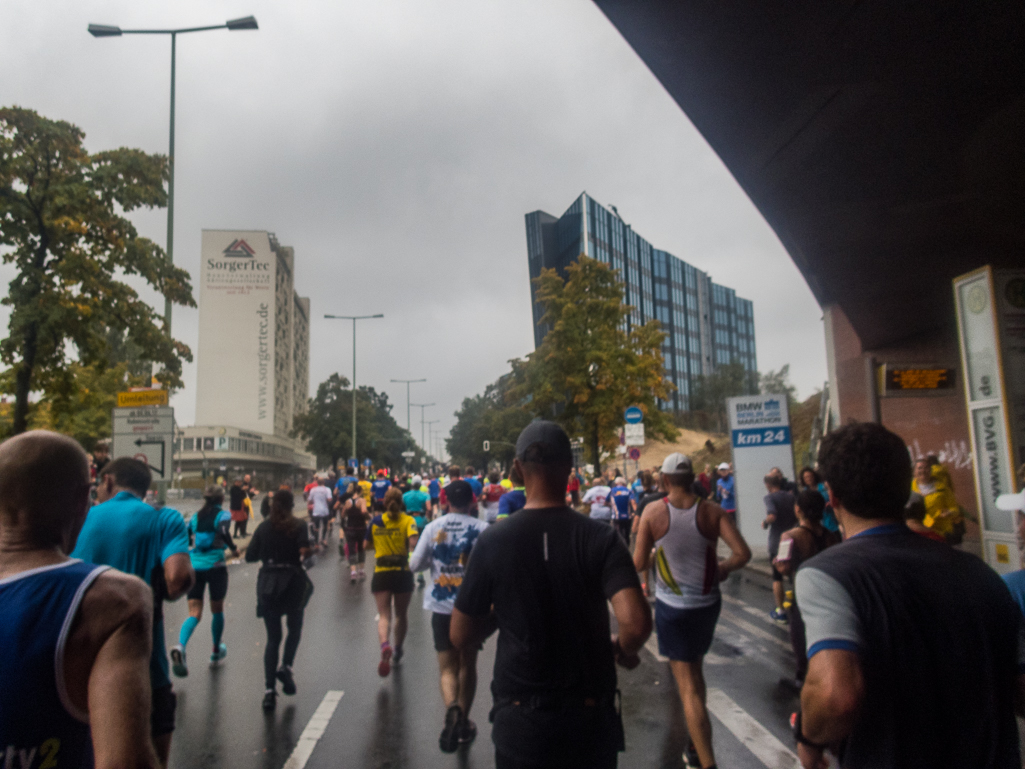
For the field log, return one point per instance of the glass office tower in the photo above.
(706, 324)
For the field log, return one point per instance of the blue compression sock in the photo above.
(186, 632)
(217, 625)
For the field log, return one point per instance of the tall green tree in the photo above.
(712, 390)
(588, 369)
(778, 383)
(488, 417)
(326, 426)
(61, 219)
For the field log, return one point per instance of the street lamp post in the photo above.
(431, 422)
(408, 383)
(354, 318)
(422, 406)
(106, 30)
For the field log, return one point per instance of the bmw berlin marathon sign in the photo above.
(760, 432)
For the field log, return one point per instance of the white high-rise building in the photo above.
(254, 333)
(253, 358)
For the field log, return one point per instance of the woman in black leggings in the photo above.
(282, 589)
(354, 515)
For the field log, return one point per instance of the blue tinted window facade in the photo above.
(706, 325)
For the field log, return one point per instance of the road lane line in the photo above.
(755, 737)
(314, 731)
(753, 611)
(755, 631)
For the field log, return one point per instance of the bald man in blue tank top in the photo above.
(76, 637)
(683, 532)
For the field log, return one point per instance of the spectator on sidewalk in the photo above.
(914, 653)
(726, 490)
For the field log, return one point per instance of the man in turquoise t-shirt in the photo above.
(129, 535)
(416, 500)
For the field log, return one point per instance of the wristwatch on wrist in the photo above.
(795, 728)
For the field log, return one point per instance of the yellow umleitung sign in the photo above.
(142, 398)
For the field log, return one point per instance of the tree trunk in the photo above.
(23, 381)
(596, 448)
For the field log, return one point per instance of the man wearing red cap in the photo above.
(379, 488)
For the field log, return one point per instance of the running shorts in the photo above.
(685, 635)
(161, 718)
(398, 581)
(440, 624)
(216, 578)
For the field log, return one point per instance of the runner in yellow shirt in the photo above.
(393, 536)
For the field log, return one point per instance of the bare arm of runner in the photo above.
(1019, 695)
(645, 542)
(633, 615)
(785, 566)
(106, 669)
(178, 575)
(740, 553)
(468, 632)
(833, 693)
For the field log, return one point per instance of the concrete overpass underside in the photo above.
(884, 142)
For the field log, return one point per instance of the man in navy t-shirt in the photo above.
(725, 489)
(623, 501)
(379, 488)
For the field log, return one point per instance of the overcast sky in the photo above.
(397, 145)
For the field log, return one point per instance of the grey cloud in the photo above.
(396, 145)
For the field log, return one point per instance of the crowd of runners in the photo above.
(909, 651)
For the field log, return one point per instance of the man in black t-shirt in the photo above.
(914, 647)
(542, 577)
(779, 517)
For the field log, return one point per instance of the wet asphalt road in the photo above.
(394, 722)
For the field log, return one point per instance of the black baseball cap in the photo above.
(544, 442)
(459, 493)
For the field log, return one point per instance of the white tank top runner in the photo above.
(686, 565)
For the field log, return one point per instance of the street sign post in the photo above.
(354, 463)
(633, 415)
(408, 454)
(633, 434)
(147, 434)
(138, 398)
(367, 462)
(635, 453)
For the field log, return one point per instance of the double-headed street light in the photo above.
(106, 30)
(422, 406)
(354, 318)
(408, 382)
(431, 429)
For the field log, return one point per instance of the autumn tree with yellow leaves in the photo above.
(589, 369)
(62, 223)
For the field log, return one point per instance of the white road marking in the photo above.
(755, 631)
(314, 731)
(755, 737)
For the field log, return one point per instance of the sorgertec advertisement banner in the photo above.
(236, 322)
